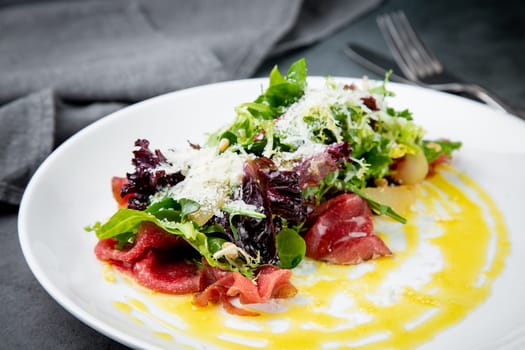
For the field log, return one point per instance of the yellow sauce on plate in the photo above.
(445, 260)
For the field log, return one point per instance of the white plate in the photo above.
(71, 190)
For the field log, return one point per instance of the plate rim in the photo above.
(23, 214)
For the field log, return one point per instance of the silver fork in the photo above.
(421, 66)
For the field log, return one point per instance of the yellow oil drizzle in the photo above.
(472, 250)
(108, 273)
(123, 307)
(128, 310)
(164, 335)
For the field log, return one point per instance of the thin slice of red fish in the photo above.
(341, 232)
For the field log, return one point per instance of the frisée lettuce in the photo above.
(242, 199)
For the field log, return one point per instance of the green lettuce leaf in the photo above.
(239, 212)
(291, 248)
(171, 216)
(255, 118)
(435, 149)
(340, 181)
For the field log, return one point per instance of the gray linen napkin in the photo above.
(65, 64)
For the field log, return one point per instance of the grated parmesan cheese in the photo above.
(210, 177)
(292, 129)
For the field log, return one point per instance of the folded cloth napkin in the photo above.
(65, 64)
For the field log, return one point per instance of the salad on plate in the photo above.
(299, 173)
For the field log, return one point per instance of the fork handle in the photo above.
(481, 94)
(490, 99)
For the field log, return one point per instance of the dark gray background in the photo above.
(481, 41)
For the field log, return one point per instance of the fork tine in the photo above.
(414, 58)
(420, 50)
(409, 50)
(418, 62)
(397, 46)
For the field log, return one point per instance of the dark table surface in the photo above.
(481, 41)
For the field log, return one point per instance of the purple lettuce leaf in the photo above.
(147, 180)
(314, 169)
(278, 195)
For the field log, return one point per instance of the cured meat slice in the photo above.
(116, 186)
(148, 236)
(271, 282)
(341, 232)
(157, 260)
(151, 263)
(162, 274)
(274, 282)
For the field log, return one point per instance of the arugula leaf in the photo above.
(123, 239)
(297, 73)
(260, 110)
(172, 210)
(240, 212)
(405, 113)
(128, 221)
(256, 118)
(124, 224)
(283, 91)
(291, 248)
(380, 209)
(381, 89)
(337, 182)
(276, 77)
(215, 244)
(188, 206)
(434, 149)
